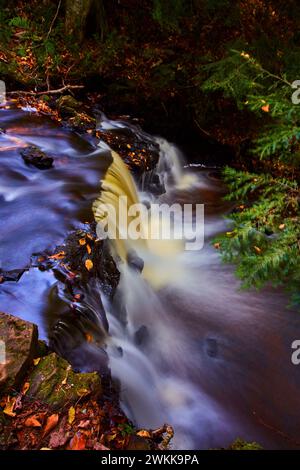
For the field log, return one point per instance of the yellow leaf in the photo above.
(9, 407)
(144, 433)
(88, 249)
(82, 241)
(281, 226)
(71, 415)
(257, 249)
(36, 361)
(89, 264)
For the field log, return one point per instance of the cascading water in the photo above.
(186, 345)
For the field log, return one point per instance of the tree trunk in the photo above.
(76, 16)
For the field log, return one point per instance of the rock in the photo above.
(68, 106)
(35, 157)
(53, 382)
(138, 443)
(20, 339)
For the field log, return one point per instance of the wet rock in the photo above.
(134, 261)
(68, 106)
(14, 275)
(35, 157)
(53, 382)
(141, 336)
(138, 443)
(21, 342)
(137, 150)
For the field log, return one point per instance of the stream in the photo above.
(215, 362)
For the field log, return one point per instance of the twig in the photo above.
(48, 92)
(54, 19)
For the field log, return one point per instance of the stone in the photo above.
(19, 341)
(53, 382)
(35, 157)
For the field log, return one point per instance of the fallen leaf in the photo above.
(50, 424)
(82, 392)
(257, 249)
(217, 246)
(71, 415)
(78, 442)
(144, 433)
(59, 255)
(82, 241)
(36, 361)
(9, 407)
(25, 388)
(32, 422)
(88, 249)
(89, 264)
(266, 108)
(281, 226)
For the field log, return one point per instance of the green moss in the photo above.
(240, 444)
(53, 382)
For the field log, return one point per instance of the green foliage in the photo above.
(240, 444)
(19, 22)
(168, 13)
(265, 239)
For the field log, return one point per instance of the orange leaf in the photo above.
(89, 264)
(32, 422)
(59, 255)
(266, 108)
(25, 388)
(257, 249)
(51, 423)
(88, 249)
(82, 241)
(78, 442)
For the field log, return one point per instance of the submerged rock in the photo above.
(35, 157)
(19, 344)
(53, 382)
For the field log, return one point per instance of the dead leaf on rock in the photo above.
(89, 264)
(32, 422)
(50, 424)
(9, 407)
(25, 387)
(78, 442)
(144, 433)
(71, 415)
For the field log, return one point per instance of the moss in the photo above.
(240, 444)
(53, 382)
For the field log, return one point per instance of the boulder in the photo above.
(53, 382)
(35, 157)
(18, 344)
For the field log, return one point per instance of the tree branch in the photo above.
(48, 92)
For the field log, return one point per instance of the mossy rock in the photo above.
(68, 106)
(53, 382)
(240, 444)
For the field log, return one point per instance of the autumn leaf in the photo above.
(257, 249)
(89, 264)
(32, 422)
(71, 415)
(217, 246)
(59, 255)
(144, 433)
(82, 241)
(281, 226)
(78, 442)
(266, 108)
(89, 338)
(50, 424)
(9, 407)
(88, 249)
(36, 361)
(25, 388)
